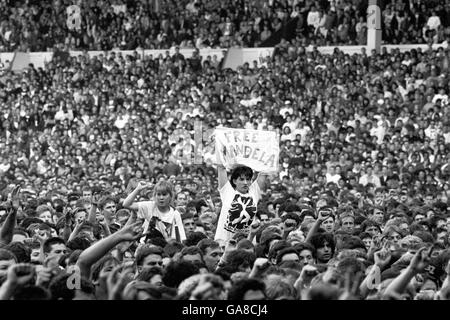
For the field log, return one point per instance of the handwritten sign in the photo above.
(256, 149)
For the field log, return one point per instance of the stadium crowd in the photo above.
(31, 25)
(101, 199)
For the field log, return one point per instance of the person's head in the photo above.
(181, 199)
(108, 205)
(87, 193)
(54, 247)
(278, 287)
(377, 215)
(35, 252)
(240, 260)
(172, 247)
(366, 238)
(291, 221)
(347, 222)
(371, 227)
(21, 251)
(393, 233)
(177, 271)
(44, 213)
(208, 219)
(80, 215)
(287, 254)
(102, 268)
(328, 224)
(163, 194)
(192, 254)
(241, 179)
(306, 253)
(122, 216)
(152, 275)
(247, 289)
(211, 251)
(7, 259)
(188, 223)
(324, 246)
(149, 257)
(20, 235)
(61, 291)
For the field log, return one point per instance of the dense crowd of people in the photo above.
(104, 196)
(161, 24)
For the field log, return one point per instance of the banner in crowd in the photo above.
(256, 149)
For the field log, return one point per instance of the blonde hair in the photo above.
(164, 186)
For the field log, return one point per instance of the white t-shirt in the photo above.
(238, 210)
(165, 222)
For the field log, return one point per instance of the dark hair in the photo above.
(21, 251)
(148, 273)
(79, 243)
(177, 271)
(352, 242)
(191, 250)
(239, 172)
(52, 241)
(144, 252)
(424, 235)
(207, 243)
(193, 238)
(238, 258)
(29, 221)
(100, 264)
(299, 247)
(241, 287)
(293, 216)
(283, 252)
(60, 291)
(173, 247)
(279, 245)
(318, 240)
(103, 201)
(369, 223)
(187, 215)
(31, 292)
(7, 255)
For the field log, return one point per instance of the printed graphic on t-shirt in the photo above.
(241, 213)
(163, 227)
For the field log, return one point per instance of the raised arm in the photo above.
(261, 180)
(222, 175)
(129, 200)
(417, 265)
(315, 227)
(7, 230)
(93, 211)
(94, 253)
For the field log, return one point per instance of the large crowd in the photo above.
(101, 198)
(161, 24)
